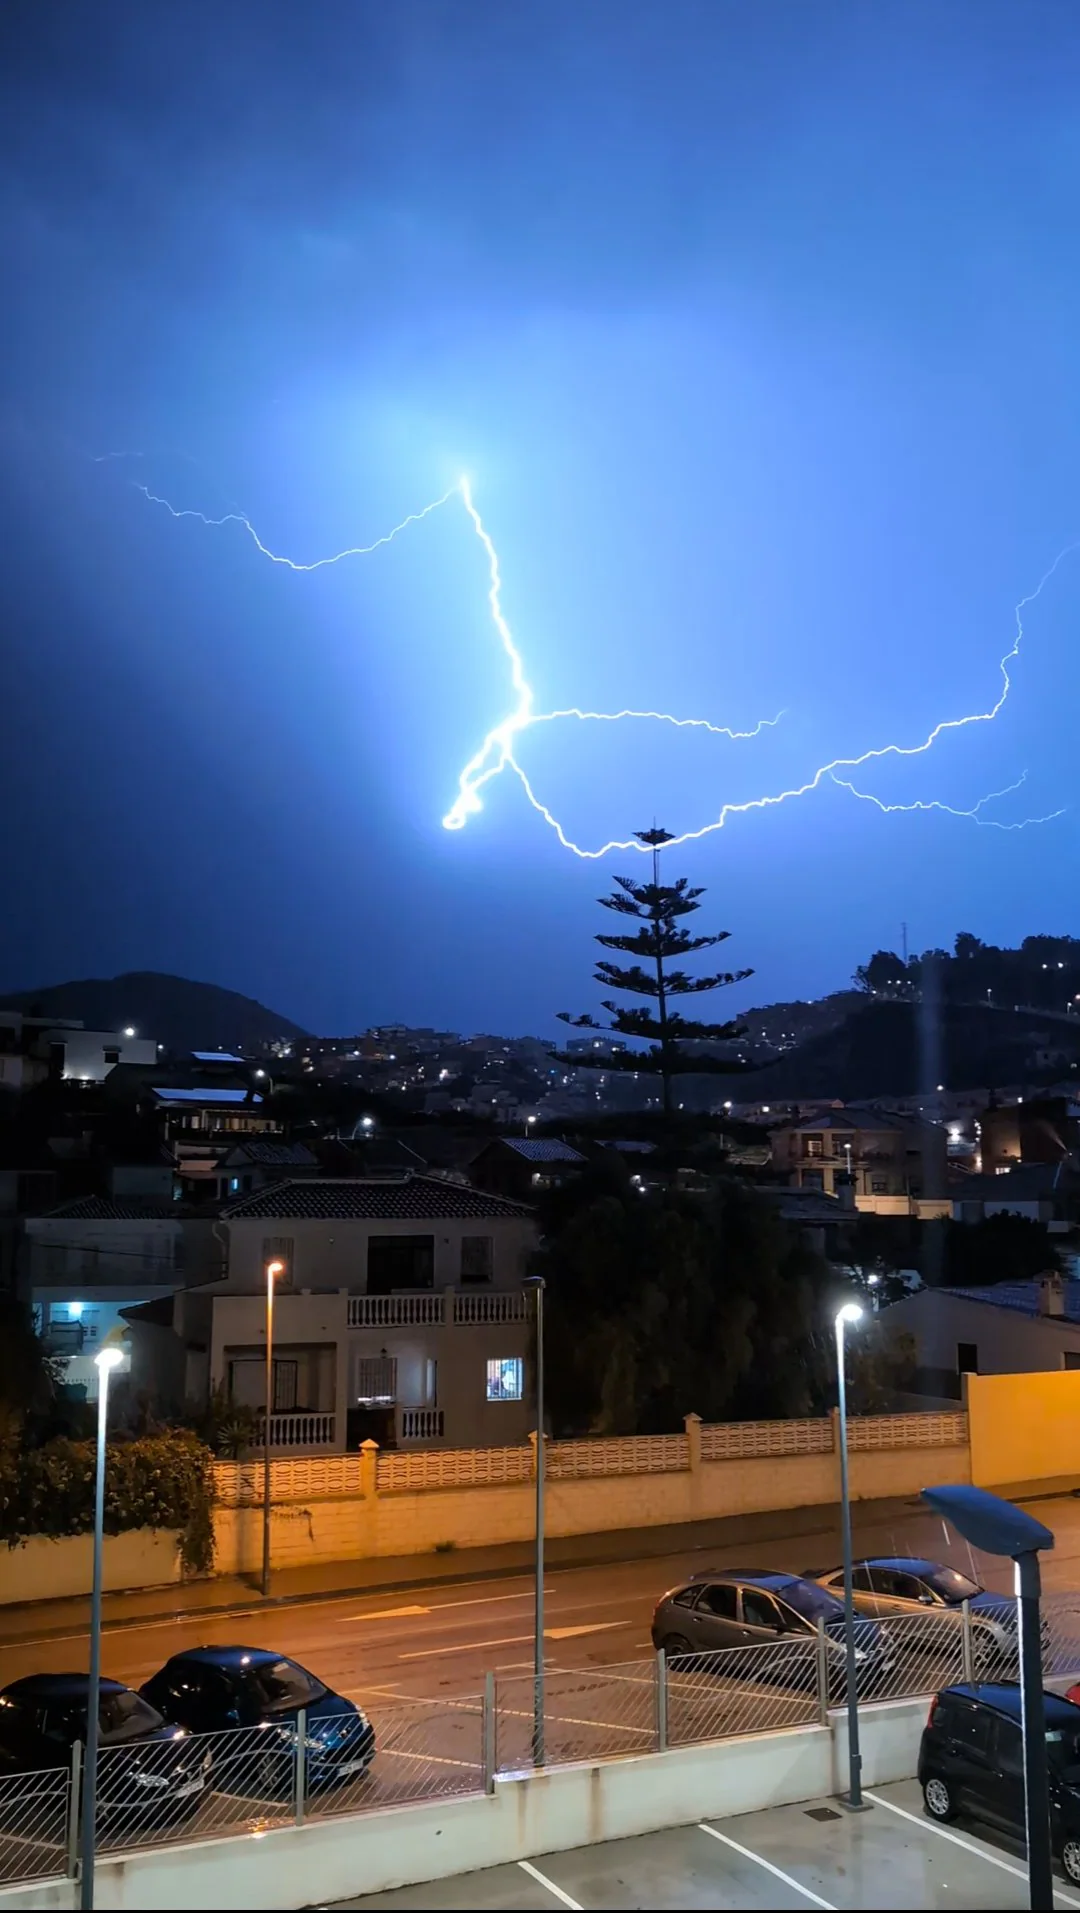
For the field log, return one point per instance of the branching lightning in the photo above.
(496, 752)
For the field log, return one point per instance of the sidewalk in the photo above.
(230, 1594)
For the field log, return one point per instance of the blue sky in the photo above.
(754, 327)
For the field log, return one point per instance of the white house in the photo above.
(399, 1314)
(1010, 1328)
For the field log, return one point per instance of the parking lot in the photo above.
(815, 1854)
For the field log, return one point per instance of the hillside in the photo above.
(900, 1049)
(173, 1010)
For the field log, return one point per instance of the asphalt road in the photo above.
(438, 1643)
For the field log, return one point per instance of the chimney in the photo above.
(1051, 1291)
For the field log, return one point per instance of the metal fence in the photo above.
(250, 1779)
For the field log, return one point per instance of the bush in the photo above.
(160, 1481)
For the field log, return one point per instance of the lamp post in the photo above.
(851, 1312)
(273, 1269)
(997, 1527)
(105, 1361)
(536, 1282)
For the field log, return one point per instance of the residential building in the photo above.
(399, 1314)
(894, 1165)
(522, 1166)
(1042, 1191)
(1038, 1129)
(1010, 1328)
(35, 1048)
(259, 1160)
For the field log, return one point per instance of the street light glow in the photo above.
(851, 1312)
(109, 1357)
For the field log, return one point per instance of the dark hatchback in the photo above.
(733, 1607)
(211, 1689)
(145, 1766)
(971, 1762)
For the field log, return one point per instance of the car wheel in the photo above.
(937, 1798)
(1070, 1860)
(676, 1647)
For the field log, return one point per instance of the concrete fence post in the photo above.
(369, 1469)
(489, 1731)
(300, 1800)
(822, 1659)
(692, 1425)
(834, 1418)
(967, 1654)
(661, 1702)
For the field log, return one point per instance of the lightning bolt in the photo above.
(496, 752)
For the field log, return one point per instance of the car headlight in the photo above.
(207, 1761)
(151, 1780)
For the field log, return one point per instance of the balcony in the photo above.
(453, 1308)
(421, 1424)
(302, 1429)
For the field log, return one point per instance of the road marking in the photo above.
(589, 1627)
(535, 1874)
(387, 1613)
(778, 1872)
(462, 1647)
(945, 1833)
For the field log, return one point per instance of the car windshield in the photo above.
(811, 1601)
(125, 1716)
(281, 1684)
(949, 1584)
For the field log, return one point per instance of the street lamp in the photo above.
(104, 1361)
(536, 1282)
(851, 1312)
(273, 1269)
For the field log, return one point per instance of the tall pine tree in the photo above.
(660, 937)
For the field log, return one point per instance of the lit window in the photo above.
(506, 1379)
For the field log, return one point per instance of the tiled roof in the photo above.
(419, 1198)
(117, 1209)
(542, 1149)
(276, 1155)
(216, 1056)
(1022, 1298)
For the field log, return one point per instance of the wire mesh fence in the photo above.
(422, 1750)
(590, 1713)
(910, 1654)
(34, 1820)
(741, 1690)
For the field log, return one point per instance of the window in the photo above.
(860, 1578)
(281, 1684)
(111, 1056)
(506, 1379)
(967, 1358)
(477, 1258)
(969, 1727)
(760, 1610)
(687, 1597)
(400, 1262)
(813, 1146)
(1008, 1746)
(719, 1600)
(286, 1379)
(376, 1378)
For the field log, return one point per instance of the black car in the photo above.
(748, 1607)
(210, 1689)
(971, 1762)
(145, 1766)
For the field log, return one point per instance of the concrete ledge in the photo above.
(533, 1814)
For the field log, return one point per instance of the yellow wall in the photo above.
(45, 1570)
(1025, 1429)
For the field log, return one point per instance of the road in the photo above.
(438, 1643)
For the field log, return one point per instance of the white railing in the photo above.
(510, 1306)
(453, 1468)
(908, 1431)
(622, 1455)
(395, 1311)
(421, 1424)
(303, 1428)
(742, 1440)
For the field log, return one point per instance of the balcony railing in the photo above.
(421, 1424)
(301, 1428)
(466, 1310)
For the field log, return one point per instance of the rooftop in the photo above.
(271, 1154)
(118, 1209)
(410, 1197)
(205, 1095)
(1022, 1297)
(542, 1149)
(217, 1056)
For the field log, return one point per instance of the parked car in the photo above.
(971, 1762)
(163, 1774)
(209, 1689)
(891, 1587)
(731, 1607)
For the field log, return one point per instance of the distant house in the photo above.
(258, 1160)
(1042, 1191)
(399, 1314)
(1008, 1329)
(1038, 1129)
(893, 1164)
(522, 1166)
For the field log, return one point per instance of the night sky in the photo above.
(755, 327)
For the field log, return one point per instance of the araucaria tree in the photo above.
(657, 941)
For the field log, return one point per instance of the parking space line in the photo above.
(535, 1874)
(946, 1833)
(777, 1872)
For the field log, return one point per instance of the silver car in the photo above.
(892, 1587)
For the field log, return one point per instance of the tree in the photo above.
(884, 975)
(660, 937)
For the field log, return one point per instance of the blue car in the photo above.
(213, 1689)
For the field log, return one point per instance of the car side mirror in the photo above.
(926, 1600)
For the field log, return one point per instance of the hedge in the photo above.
(157, 1481)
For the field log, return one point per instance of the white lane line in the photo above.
(462, 1647)
(957, 1839)
(535, 1874)
(386, 1613)
(778, 1872)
